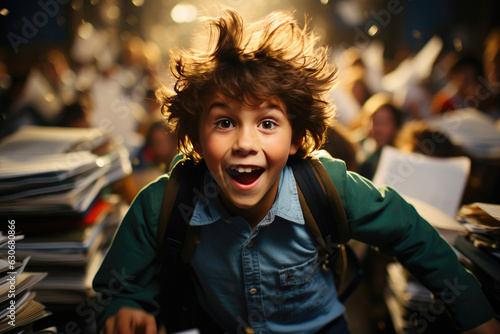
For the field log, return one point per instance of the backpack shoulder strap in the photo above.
(179, 199)
(321, 198)
(326, 219)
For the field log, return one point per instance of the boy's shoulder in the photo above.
(335, 167)
(326, 159)
(153, 191)
(158, 183)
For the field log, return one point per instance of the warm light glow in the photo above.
(132, 20)
(324, 2)
(85, 30)
(184, 12)
(138, 3)
(417, 34)
(4, 12)
(113, 12)
(49, 97)
(125, 35)
(457, 43)
(76, 4)
(152, 53)
(373, 30)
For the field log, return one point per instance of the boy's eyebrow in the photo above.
(275, 106)
(224, 105)
(217, 104)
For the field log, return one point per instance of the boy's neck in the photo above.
(252, 219)
(255, 214)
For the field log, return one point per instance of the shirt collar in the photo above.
(209, 208)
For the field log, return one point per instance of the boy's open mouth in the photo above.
(245, 175)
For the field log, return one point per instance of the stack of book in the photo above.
(405, 297)
(54, 184)
(57, 170)
(406, 300)
(480, 247)
(482, 220)
(19, 311)
(69, 249)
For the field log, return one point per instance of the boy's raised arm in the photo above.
(382, 218)
(126, 277)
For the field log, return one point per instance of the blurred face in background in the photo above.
(383, 126)
(163, 145)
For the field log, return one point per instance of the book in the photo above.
(33, 312)
(37, 224)
(81, 237)
(487, 263)
(24, 281)
(45, 140)
(19, 170)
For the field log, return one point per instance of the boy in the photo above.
(254, 98)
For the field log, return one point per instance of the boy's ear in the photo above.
(296, 144)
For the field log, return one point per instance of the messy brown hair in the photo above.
(251, 63)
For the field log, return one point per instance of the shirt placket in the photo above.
(253, 288)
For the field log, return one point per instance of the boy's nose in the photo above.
(246, 142)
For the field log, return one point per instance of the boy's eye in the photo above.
(267, 125)
(224, 124)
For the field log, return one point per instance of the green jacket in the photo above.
(378, 217)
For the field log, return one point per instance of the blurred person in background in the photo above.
(159, 148)
(155, 156)
(419, 136)
(381, 121)
(461, 88)
(78, 113)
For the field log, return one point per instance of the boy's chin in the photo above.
(244, 205)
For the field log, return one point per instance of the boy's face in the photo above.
(245, 148)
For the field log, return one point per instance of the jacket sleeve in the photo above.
(382, 218)
(127, 275)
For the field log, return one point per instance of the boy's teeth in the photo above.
(244, 169)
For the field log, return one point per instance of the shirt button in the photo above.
(253, 291)
(250, 244)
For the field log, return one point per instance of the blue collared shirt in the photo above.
(268, 278)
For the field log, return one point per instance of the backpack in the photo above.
(323, 213)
